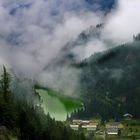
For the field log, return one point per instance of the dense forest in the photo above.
(110, 82)
(25, 121)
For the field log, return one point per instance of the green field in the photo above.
(131, 128)
(113, 138)
(57, 105)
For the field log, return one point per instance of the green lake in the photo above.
(57, 105)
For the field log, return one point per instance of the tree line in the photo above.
(109, 83)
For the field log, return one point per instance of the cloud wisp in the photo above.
(124, 22)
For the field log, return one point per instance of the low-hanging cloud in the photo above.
(33, 33)
(124, 22)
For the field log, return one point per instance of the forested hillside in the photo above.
(110, 82)
(26, 121)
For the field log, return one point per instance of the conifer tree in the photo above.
(5, 83)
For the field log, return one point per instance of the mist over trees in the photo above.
(27, 121)
(110, 82)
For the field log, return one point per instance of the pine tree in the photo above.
(5, 84)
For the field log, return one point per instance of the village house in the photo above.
(113, 128)
(88, 125)
(80, 122)
(74, 127)
(112, 131)
(128, 116)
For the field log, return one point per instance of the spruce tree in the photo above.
(5, 84)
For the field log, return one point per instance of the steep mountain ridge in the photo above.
(110, 82)
(66, 55)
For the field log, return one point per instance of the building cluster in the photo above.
(112, 128)
(88, 125)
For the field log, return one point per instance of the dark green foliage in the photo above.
(110, 83)
(8, 113)
(107, 56)
(5, 82)
(137, 37)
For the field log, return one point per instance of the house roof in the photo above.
(114, 123)
(127, 115)
(89, 126)
(112, 130)
(74, 126)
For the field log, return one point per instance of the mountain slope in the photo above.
(110, 82)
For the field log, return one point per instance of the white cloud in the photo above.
(89, 49)
(64, 79)
(32, 37)
(124, 22)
